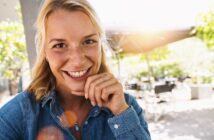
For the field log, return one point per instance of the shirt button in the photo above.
(86, 122)
(116, 126)
(96, 112)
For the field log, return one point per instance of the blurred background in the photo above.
(161, 50)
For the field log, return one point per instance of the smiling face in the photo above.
(72, 49)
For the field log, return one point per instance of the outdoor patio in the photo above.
(189, 120)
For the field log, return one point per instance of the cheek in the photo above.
(54, 60)
(94, 55)
(98, 60)
(97, 56)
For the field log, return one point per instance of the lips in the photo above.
(78, 74)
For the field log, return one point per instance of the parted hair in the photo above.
(43, 81)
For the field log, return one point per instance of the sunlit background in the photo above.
(161, 50)
(149, 15)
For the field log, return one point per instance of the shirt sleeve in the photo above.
(130, 124)
(10, 121)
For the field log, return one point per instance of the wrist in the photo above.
(121, 110)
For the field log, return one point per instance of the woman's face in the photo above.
(72, 49)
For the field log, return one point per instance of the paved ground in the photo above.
(189, 120)
(183, 120)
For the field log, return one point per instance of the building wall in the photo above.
(8, 10)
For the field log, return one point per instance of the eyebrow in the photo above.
(90, 35)
(57, 39)
(63, 40)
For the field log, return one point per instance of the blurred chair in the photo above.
(158, 101)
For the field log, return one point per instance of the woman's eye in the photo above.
(89, 42)
(59, 45)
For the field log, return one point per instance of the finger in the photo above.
(90, 94)
(95, 88)
(89, 81)
(107, 84)
(97, 95)
(92, 91)
(111, 90)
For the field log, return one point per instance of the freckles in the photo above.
(53, 61)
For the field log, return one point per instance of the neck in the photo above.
(76, 107)
(70, 101)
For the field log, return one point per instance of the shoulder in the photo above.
(20, 103)
(15, 114)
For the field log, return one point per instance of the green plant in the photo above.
(168, 70)
(207, 79)
(12, 51)
(205, 27)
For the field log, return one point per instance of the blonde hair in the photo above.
(43, 81)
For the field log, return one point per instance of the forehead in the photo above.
(69, 22)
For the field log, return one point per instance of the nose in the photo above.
(77, 56)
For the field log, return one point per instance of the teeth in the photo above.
(77, 73)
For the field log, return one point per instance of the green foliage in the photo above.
(169, 70)
(164, 70)
(207, 79)
(157, 54)
(12, 49)
(205, 28)
(150, 60)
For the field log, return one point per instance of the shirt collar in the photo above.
(95, 111)
(51, 97)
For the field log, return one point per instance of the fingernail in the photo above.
(100, 105)
(93, 103)
(86, 96)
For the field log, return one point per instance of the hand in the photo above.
(105, 90)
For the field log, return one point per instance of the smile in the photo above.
(77, 74)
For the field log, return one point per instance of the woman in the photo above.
(72, 94)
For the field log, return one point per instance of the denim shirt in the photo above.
(23, 118)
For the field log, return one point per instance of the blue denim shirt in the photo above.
(24, 118)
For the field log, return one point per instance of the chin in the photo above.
(77, 93)
(78, 90)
